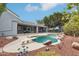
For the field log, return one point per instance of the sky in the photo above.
(35, 11)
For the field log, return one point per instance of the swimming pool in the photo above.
(42, 39)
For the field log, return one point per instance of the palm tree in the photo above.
(2, 7)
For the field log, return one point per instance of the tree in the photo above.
(70, 6)
(52, 20)
(65, 18)
(40, 22)
(46, 21)
(2, 8)
(57, 18)
(72, 27)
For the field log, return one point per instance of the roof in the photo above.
(31, 24)
(12, 12)
(19, 21)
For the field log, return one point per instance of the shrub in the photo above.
(2, 8)
(72, 27)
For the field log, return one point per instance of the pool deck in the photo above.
(13, 46)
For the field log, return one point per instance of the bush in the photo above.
(72, 27)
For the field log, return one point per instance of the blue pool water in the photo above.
(42, 39)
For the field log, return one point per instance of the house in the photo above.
(10, 24)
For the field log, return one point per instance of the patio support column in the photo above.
(46, 29)
(21, 29)
(37, 29)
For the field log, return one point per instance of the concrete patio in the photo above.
(13, 46)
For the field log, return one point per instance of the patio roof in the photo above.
(31, 24)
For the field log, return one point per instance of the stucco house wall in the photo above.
(8, 24)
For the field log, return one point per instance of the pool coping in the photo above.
(56, 42)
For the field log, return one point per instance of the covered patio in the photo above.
(23, 28)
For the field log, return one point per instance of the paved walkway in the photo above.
(13, 46)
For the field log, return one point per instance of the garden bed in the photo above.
(4, 41)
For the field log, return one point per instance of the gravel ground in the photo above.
(64, 48)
